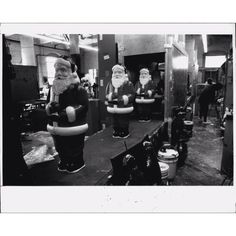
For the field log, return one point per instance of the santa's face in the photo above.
(117, 77)
(62, 78)
(118, 74)
(62, 71)
(144, 74)
(144, 77)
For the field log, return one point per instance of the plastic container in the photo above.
(169, 155)
(164, 170)
(188, 125)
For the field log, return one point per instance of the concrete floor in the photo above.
(202, 166)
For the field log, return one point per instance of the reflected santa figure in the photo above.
(145, 91)
(119, 99)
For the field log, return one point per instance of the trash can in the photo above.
(188, 127)
(167, 154)
(164, 170)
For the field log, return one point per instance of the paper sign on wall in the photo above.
(106, 57)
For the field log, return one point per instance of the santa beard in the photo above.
(60, 85)
(144, 80)
(117, 82)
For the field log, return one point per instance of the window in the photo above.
(214, 61)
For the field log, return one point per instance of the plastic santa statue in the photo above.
(145, 90)
(67, 107)
(119, 97)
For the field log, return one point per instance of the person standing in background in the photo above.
(206, 98)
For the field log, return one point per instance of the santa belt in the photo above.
(67, 131)
(144, 100)
(119, 110)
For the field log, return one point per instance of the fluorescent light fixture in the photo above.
(49, 38)
(88, 47)
(180, 62)
(214, 61)
(52, 39)
(204, 41)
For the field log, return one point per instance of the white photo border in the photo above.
(120, 199)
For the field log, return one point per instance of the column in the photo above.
(27, 50)
(75, 51)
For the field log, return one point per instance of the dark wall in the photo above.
(106, 60)
(25, 86)
(134, 63)
(15, 171)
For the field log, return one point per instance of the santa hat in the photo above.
(119, 67)
(66, 62)
(144, 70)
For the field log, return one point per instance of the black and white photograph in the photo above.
(131, 108)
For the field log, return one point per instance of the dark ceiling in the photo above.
(219, 42)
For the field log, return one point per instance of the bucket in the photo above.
(189, 113)
(169, 155)
(188, 126)
(164, 170)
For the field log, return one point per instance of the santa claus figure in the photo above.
(144, 95)
(119, 98)
(67, 107)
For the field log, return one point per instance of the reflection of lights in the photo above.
(48, 38)
(204, 41)
(214, 61)
(196, 67)
(88, 47)
(176, 36)
(180, 62)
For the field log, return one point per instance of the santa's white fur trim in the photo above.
(63, 62)
(144, 101)
(67, 131)
(126, 99)
(118, 67)
(109, 96)
(70, 112)
(75, 78)
(120, 110)
(48, 109)
(144, 70)
(149, 93)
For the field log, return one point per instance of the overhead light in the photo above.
(204, 41)
(52, 39)
(48, 38)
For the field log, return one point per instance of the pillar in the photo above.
(27, 50)
(106, 60)
(168, 99)
(75, 52)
